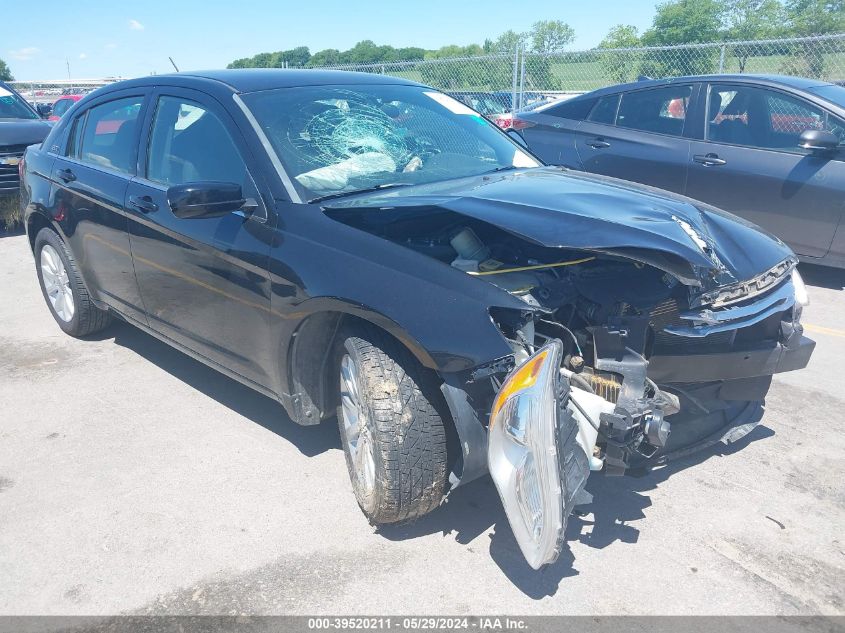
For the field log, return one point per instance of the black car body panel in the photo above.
(562, 209)
(793, 193)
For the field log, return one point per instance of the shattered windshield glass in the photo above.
(334, 140)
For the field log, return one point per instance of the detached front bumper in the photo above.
(765, 360)
(545, 434)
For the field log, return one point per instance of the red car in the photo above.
(62, 105)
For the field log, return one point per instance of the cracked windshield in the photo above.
(335, 141)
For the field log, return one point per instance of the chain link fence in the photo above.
(49, 91)
(514, 80)
(529, 76)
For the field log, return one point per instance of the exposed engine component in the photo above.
(611, 312)
(469, 247)
(602, 306)
(606, 385)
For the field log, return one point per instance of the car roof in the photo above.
(255, 79)
(799, 83)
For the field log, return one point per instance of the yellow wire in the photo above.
(536, 267)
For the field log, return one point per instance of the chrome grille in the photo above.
(9, 180)
(668, 313)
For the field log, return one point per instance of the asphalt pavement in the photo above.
(136, 480)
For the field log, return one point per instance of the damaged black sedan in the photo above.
(366, 247)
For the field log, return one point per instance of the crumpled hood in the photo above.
(552, 207)
(23, 131)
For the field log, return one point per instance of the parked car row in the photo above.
(768, 149)
(62, 105)
(20, 125)
(498, 106)
(365, 247)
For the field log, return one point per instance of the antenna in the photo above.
(174, 64)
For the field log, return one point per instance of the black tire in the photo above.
(399, 402)
(87, 318)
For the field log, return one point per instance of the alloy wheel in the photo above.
(357, 435)
(56, 283)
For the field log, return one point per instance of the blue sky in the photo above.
(109, 38)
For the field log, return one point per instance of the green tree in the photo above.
(453, 50)
(5, 73)
(411, 53)
(326, 57)
(812, 17)
(551, 36)
(547, 37)
(508, 41)
(816, 17)
(295, 57)
(620, 66)
(752, 20)
(683, 22)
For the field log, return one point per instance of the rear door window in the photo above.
(575, 109)
(109, 136)
(659, 110)
(605, 110)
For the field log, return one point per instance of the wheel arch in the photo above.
(34, 223)
(313, 349)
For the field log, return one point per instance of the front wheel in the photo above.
(393, 436)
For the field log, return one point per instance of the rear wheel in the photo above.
(393, 435)
(63, 288)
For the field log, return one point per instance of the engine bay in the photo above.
(599, 306)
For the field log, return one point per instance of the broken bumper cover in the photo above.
(748, 363)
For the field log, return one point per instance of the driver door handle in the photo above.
(66, 175)
(144, 204)
(709, 160)
(598, 143)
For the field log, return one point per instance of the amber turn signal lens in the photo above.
(522, 378)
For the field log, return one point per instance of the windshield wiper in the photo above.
(500, 168)
(341, 194)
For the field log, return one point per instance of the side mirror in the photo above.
(818, 140)
(204, 199)
(516, 136)
(44, 110)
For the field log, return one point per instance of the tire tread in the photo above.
(410, 433)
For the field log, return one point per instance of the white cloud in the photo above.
(24, 54)
(83, 55)
(135, 25)
(110, 46)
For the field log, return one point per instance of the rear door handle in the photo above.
(66, 175)
(709, 160)
(598, 143)
(144, 204)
